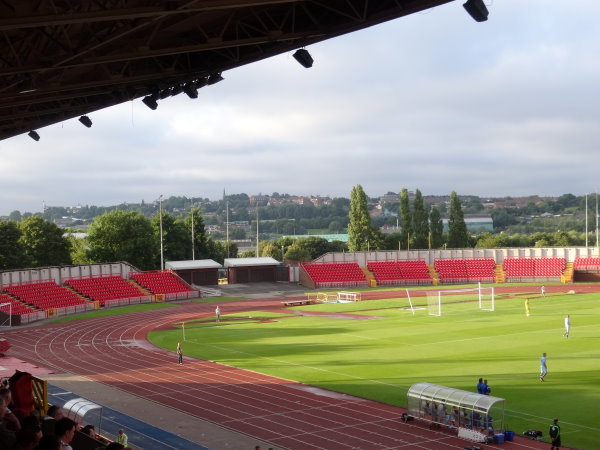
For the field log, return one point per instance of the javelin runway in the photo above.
(288, 415)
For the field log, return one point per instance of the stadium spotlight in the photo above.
(86, 121)
(190, 90)
(303, 57)
(176, 90)
(477, 10)
(150, 102)
(165, 93)
(34, 135)
(214, 78)
(201, 82)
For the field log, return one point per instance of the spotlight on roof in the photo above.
(176, 90)
(165, 93)
(214, 78)
(201, 82)
(477, 10)
(34, 135)
(86, 121)
(150, 102)
(190, 90)
(303, 57)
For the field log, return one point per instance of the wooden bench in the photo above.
(297, 302)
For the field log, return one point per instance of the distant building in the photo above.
(475, 224)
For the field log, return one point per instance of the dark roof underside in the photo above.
(61, 59)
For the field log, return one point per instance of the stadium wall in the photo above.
(59, 274)
(498, 254)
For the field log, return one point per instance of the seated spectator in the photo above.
(55, 412)
(10, 420)
(65, 431)
(90, 430)
(28, 437)
(49, 443)
(7, 437)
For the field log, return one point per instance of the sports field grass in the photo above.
(380, 358)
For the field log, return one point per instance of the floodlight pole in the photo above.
(162, 259)
(257, 229)
(193, 243)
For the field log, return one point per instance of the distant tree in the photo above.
(406, 230)
(79, 250)
(457, 229)
(248, 254)
(176, 240)
(271, 249)
(296, 253)
(436, 228)
(12, 250)
(334, 227)
(359, 229)
(391, 241)
(420, 222)
(44, 243)
(201, 250)
(15, 215)
(123, 236)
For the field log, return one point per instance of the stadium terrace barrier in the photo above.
(129, 301)
(68, 310)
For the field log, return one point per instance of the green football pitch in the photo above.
(381, 356)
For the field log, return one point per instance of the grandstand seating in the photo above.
(336, 274)
(530, 269)
(400, 272)
(104, 289)
(465, 270)
(15, 307)
(591, 264)
(160, 282)
(45, 295)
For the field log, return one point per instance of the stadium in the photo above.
(352, 350)
(335, 366)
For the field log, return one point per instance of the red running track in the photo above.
(114, 350)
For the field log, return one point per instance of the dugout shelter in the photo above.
(202, 272)
(255, 270)
(454, 407)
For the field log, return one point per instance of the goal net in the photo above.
(482, 296)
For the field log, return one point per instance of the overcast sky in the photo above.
(433, 101)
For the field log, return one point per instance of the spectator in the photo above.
(90, 430)
(49, 443)
(112, 446)
(122, 438)
(7, 437)
(10, 420)
(55, 412)
(65, 431)
(28, 437)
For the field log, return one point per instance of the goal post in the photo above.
(483, 296)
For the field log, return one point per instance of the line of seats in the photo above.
(591, 264)
(160, 282)
(336, 274)
(14, 306)
(104, 289)
(45, 295)
(471, 269)
(400, 272)
(517, 269)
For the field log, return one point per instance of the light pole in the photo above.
(162, 260)
(193, 243)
